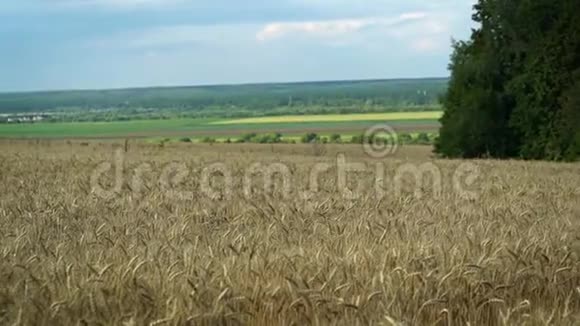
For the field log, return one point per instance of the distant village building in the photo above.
(23, 118)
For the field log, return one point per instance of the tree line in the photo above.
(421, 138)
(515, 84)
(229, 101)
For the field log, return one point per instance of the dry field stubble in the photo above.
(145, 257)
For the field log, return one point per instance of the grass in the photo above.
(149, 256)
(210, 127)
(81, 129)
(391, 116)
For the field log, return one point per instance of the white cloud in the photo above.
(419, 32)
(430, 35)
(332, 27)
(327, 28)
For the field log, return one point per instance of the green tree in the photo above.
(512, 84)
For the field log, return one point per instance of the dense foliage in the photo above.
(515, 85)
(421, 138)
(230, 101)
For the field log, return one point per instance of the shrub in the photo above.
(248, 138)
(267, 139)
(423, 139)
(310, 138)
(358, 139)
(335, 139)
(405, 139)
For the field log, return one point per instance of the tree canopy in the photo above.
(515, 84)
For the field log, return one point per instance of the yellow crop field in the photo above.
(105, 233)
(391, 116)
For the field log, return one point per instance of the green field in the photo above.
(97, 129)
(389, 116)
(287, 125)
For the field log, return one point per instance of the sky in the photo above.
(96, 44)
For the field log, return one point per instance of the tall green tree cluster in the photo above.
(515, 84)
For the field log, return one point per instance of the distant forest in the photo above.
(230, 100)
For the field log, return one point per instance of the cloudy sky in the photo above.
(79, 44)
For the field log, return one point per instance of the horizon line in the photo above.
(212, 85)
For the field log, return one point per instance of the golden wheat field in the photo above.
(190, 237)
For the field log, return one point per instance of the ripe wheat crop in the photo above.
(507, 256)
